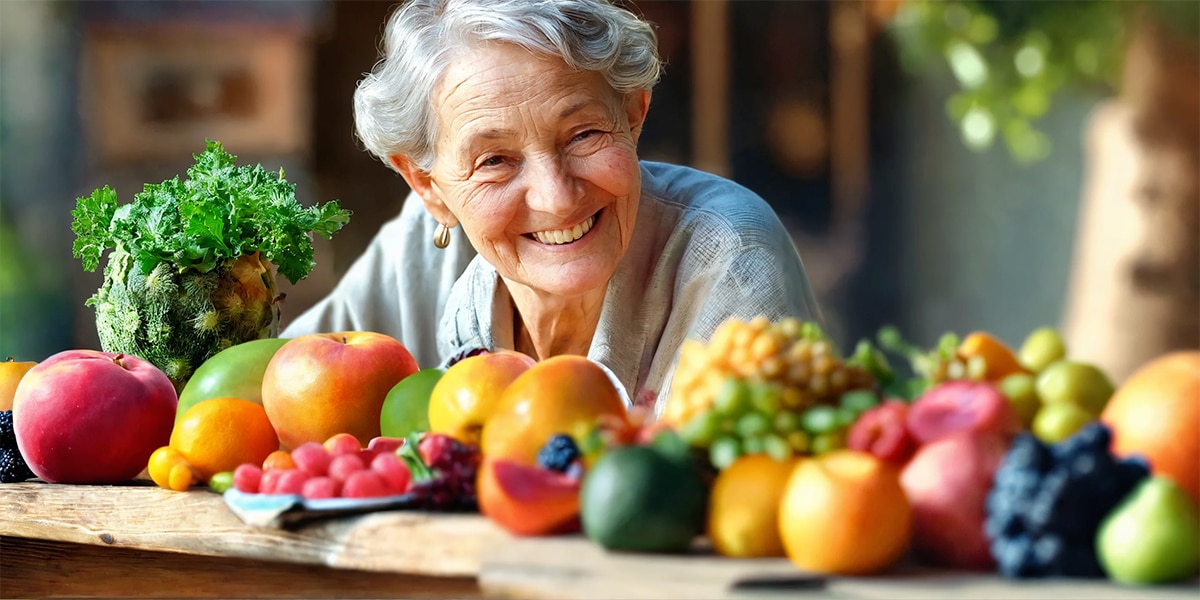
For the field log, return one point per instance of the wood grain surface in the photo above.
(43, 569)
(146, 517)
(143, 541)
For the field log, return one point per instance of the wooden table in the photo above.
(138, 541)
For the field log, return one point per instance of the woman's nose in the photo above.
(550, 187)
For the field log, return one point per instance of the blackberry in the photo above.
(558, 453)
(8, 437)
(12, 466)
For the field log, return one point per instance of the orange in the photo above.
(11, 372)
(1156, 414)
(743, 509)
(845, 513)
(219, 434)
(559, 395)
(463, 399)
(170, 470)
(1000, 360)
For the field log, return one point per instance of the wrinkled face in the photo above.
(538, 164)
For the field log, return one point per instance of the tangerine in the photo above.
(845, 513)
(1156, 414)
(219, 434)
(999, 360)
(559, 395)
(743, 517)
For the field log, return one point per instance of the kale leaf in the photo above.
(219, 212)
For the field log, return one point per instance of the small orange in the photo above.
(845, 513)
(11, 372)
(743, 507)
(170, 470)
(219, 434)
(1000, 360)
(279, 460)
(559, 395)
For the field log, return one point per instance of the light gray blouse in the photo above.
(704, 249)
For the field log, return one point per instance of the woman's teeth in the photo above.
(565, 236)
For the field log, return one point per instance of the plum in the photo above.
(961, 405)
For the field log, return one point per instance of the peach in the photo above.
(322, 384)
(83, 416)
(947, 482)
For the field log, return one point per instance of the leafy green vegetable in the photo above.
(219, 213)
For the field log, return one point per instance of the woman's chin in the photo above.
(574, 278)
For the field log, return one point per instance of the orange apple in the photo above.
(11, 372)
(465, 395)
(564, 394)
(83, 416)
(322, 384)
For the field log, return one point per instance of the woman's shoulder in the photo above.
(723, 211)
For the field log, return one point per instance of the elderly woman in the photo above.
(538, 229)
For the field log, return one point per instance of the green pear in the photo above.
(1153, 536)
(1073, 382)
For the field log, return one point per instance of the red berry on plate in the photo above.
(393, 470)
(291, 481)
(342, 466)
(269, 481)
(321, 487)
(365, 484)
(342, 443)
(247, 477)
(385, 444)
(312, 458)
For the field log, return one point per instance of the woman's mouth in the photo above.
(565, 236)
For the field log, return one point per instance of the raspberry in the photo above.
(443, 453)
(365, 484)
(247, 477)
(291, 481)
(321, 487)
(558, 453)
(312, 458)
(13, 467)
(8, 438)
(345, 465)
(393, 470)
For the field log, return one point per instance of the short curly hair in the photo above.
(393, 112)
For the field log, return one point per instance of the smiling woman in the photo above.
(519, 122)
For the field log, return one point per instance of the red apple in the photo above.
(947, 483)
(961, 405)
(322, 384)
(83, 416)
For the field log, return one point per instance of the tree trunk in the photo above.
(1134, 293)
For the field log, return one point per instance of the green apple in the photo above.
(1153, 536)
(1041, 348)
(1021, 391)
(406, 407)
(1057, 422)
(1073, 382)
(235, 372)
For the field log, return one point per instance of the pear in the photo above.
(1152, 536)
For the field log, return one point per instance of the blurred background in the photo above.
(943, 166)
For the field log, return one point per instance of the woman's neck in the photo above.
(545, 326)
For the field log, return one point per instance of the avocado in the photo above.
(642, 499)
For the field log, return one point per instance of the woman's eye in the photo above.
(587, 134)
(492, 161)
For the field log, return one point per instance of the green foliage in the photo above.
(220, 212)
(1010, 58)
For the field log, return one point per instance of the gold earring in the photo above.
(441, 237)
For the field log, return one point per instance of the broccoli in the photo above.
(190, 271)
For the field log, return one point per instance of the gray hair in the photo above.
(393, 113)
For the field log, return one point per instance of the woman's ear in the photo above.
(422, 183)
(637, 104)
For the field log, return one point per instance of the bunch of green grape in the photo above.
(748, 417)
(793, 356)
